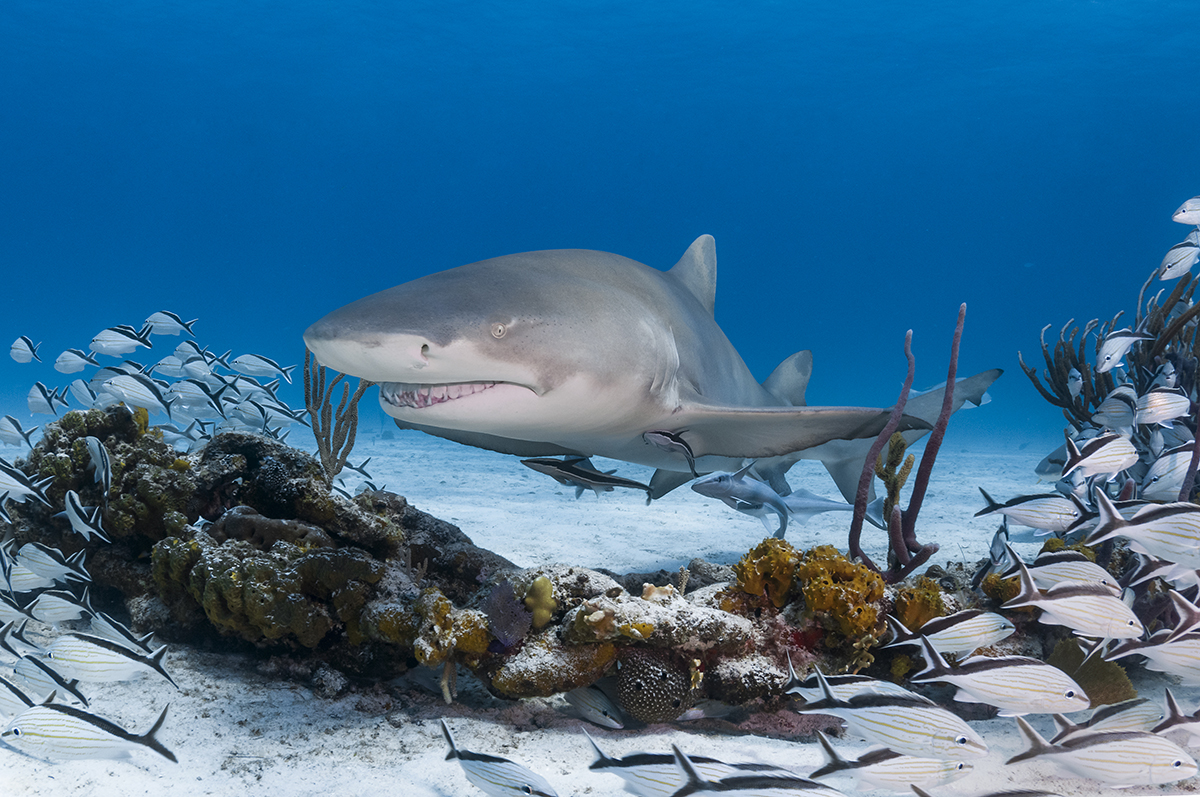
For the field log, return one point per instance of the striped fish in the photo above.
(917, 790)
(85, 521)
(843, 687)
(56, 732)
(494, 775)
(1168, 531)
(21, 580)
(1179, 657)
(92, 659)
(1105, 455)
(12, 433)
(1090, 610)
(1178, 260)
(960, 633)
(1117, 411)
(910, 726)
(1188, 212)
(51, 563)
(656, 774)
(757, 785)
(1047, 511)
(1116, 345)
(56, 606)
(139, 390)
(10, 610)
(13, 699)
(595, 706)
(120, 339)
(7, 635)
(1164, 478)
(1119, 759)
(1176, 720)
(20, 487)
(1161, 405)
(1060, 566)
(1014, 684)
(100, 464)
(883, 769)
(1138, 714)
(104, 626)
(44, 680)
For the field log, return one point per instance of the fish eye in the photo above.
(526, 789)
(1070, 693)
(1176, 764)
(960, 766)
(960, 740)
(499, 331)
(16, 731)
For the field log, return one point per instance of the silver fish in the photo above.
(93, 659)
(745, 785)
(22, 579)
(1115, 346)
(1074, 382)
(1168, 531)
(672, 442)
(104, 626)
(1107, 454)
(13, 699)
(12, 433)
(167, 323)
(85, 521)
(23, 350)
(960, 633)
(1014, 684)
(1164, 478)
(843, 687)
(1061, 566)
(910, 726)
(1119, 759)
(881, 768)
(739, 488)
(62, 733)
(99, 464)
(57, 606)
(120, 339)
(1176, 720)
(1090, 610)
(1118, 410)
(257, 365)
(143, 391)
(73, 361)
(595, 706)
(1188, 212)
(19, 487)
(45, 680)
(1138, 714)
(1049, 511)
(578, 472)
(52, 563)
(1178, 260)
(494, 775)
(42, 400)
(1161, 405)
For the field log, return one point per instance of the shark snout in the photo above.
(379, 357)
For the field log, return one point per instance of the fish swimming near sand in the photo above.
(1104, 455)
(580, 353)
(13, 699)
(52, 563)
(578, 472)
(496, 776)
(44, 680)
(1161, 405)
(56, 732)
(739, 488)
(1119, 759)
(1167, 531)
(745, 785)
(674, 443)
(881, 768)
(1176, 720)
(92, 659)
(595, 706)
(1129, 715)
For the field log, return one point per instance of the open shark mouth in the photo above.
(404, 394)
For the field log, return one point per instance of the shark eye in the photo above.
(498, 330)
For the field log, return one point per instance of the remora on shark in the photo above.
(582, 352)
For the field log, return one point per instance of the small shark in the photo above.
(578, 472)
(739, 490)
(580, 353)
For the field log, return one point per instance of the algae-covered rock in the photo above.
(668, 621)
(545, 665)
(1105, 682)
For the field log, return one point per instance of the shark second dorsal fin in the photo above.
(789, 381)
(697, 270)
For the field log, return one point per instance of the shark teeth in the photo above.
(403, 394)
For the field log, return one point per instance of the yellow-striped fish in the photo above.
(1104, 455)
(13, 699)
(57, 732)
(1065, 565)
(1119, 759)
(1014, 684)
(912, 726)
(1138, 714)
(93, 659)
(881, 768)
(496, 776)
(1168, 531)
(757, 785)
(1176, 720)
(960, 633)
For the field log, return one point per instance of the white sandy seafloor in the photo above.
(238, 729)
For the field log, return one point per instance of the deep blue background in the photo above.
(864, 166)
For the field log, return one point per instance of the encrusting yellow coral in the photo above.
(918, 603)
(768, 569)
(844, 598)
(539, 599)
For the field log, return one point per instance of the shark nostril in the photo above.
(424, 351)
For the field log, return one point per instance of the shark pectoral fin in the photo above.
(664, 481)
(774, 431)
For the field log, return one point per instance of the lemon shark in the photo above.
(583, 353)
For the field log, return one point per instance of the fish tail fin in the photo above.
(1073, 456)
(833, 761)
(223, 360)
(156, 659)
(936, 666)
(694, 778)
(450, 739)
(900, 633)
(601, 759)
(992, 506)
(1029, 593)
(1111, 523)
(188, 326)
(287, 373)
(1037, 745)
(1174, 712)
(148, 738)
(1062, 726)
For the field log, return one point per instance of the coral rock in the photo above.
(545, 666)
(768, 569)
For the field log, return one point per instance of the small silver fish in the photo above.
(843, 687)
(12, 433)
(1090, 610)
(120, 339)
(1074, 382)
(1188, 212)
(578, 472)
(1119, 759)
(58, 606)
(139, 390)
(1048, 511)
(167, 323)
(93, 659)
(1014, 684)
(99, 464)
(13, 699)
(1115, 346)
(910, 726)
(1168, 531)
(1178, 260)
(595, 706)
(735, 489)
(1176, 720)
(960, 633)
(73, 361)
(257, 365)
(52, 563)
(44, 680)
(42, 400)
(1161, 405)
(85, 521)
(496, 776)
(1104, 455)
(881, 768)
(1164, 478)
(20, 487)
(1138, 714)
(672, 443)
(23, 350)
(62, 733)
(1061, 566)
(106, 627)
(745, 785)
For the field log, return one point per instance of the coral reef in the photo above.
(917, 603)
(844, 597)
(768, 569)
(334, 430)
(1105, 682)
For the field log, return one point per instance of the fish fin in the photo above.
(664, 481)
(1062, 726)
(833, 761)
(688, 769)
(579, 492)
(775, 431)
(936, 667)
(1110, 524)
(148, 738)
(963, 696)
(156, 659)
(789, 381)
(900, 634)
(1029, 593)
(601, 758)
(697, 271)
(287, 373)
(917, 790)
(1037, 745)
(992, 506)
(449, 738)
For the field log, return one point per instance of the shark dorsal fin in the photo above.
(789, 380)
(697, 270)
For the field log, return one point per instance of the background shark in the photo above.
(580, 352)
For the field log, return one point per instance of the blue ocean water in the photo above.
(864, 167)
